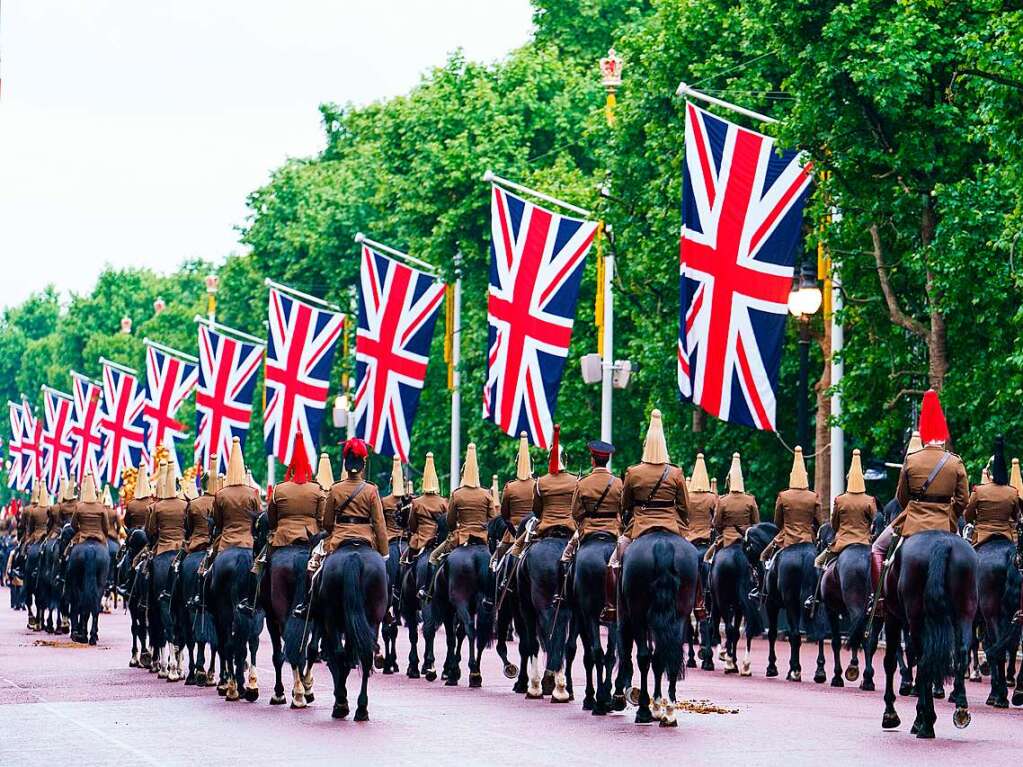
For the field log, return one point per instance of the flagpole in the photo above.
(118, 366)
(169, 350)
(607, 366)
(364, 240)
(239, 335)
(491, 178)
(299, 294)
(456, 394)
(837, 371)
(686, 90)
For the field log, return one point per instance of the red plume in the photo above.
(933, 427)
(356, 447)
(554, 464)
(298, 470)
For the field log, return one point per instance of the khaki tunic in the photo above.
(946, 497)
(58, 516)
(391, 504)
(89, 521)
(798, 514)
(851, 518)
(588, 491)
(422, 520)
(994, 511)
(365, 506)
(137, 511)
(235, 507)
(516, 504)
(166, 524)
(469, 510)
(701, 517)
(552, 502)
(667, 510)
(295, 513)
(736, 513)
(113, 525)
(36, 519)
(197, 522)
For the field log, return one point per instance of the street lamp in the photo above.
(212, 285)
(611, 78)
(804, 302)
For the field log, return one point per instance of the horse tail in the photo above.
(295, 628)
(484, 603)
(91, 593)
(662, 617)
(357, 627)
(750, 609)
(938, 642)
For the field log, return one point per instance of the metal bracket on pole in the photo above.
(685, 90)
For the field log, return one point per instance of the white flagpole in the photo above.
(456, 394)
(490, 178)
(837, 370)
(169, 350)
(607, 364)
(364, 240)
(685, 90)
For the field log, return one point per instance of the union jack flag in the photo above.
(742, 211)
(14, 472)
(86, 438)
(56, 444)
(398, 308)
(31, 447)
(300, 350)
(170, 378)
(223, 395)
(536, 265)
(121, 423)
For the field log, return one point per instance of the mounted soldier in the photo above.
(88, 562)
(797, 513)
(993, 510)
(735, 512)
(136, 512)
(932, 491)
(60, 513)
(396, 505)
(427, 509)
(654, 497)
(200, 513)
(516, 508)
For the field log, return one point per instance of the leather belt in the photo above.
(654, 505)
(602, 514)
(927, 498)
(344, 519)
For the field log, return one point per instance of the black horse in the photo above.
(790, 583)
(194, 620)
(34, 585)
(845, 593)
(415, 578)
(51, 591)
(237, 631)
(587, 598)
(731, 580)
(163, 628)
(506, 599)
(660, 575)
(87, 567)
(999, 587)
(545, 625)
(387, 660)
(701, 631)
(133, 583)
(931, 596)
(349, 602)
(467, 608)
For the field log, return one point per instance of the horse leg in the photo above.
(795, 673)
(906, 688)
(689, 638)
(412, 626)
(277, 658)
(589, 653)
(731, 643)
(643, 713)
(475, 677)
(1017, 695)
(925, 716)
(890, 719)
(338, 666)
(564, 680)
(772, 637)
(362, 707)
(820, 676)
(429, 659)
(521, 685)
(836, 648)
(252, 678)
(624, 676)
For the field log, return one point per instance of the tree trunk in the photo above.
(822, 427)
(699, 425)
(937, 349)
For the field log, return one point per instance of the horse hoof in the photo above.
(251, 694)
(852, 673)
(746, 669)
(975, 676)
(890, 720)
(837, 681)
(362, 715)
(925, 732)
(906, 690)
(643, 716)
(133, 663)
(772, 671)
(618, 702)
(990, 700)
(916, 726)
(190, 680)
(510, 671)
(588, 703)
(295, 705)
(1001, 703)
(794, 676)
(519, 688)
(231, 697)
(340, 711)
(279, 700)
(547, 683)
(378, 662)
(731, 668)
(691, 663)
(475, 679)
(451, 681)
(309, 697)
(386, 670)
(1017, 698)
(939, 694)
(430, 676)
(668, 723)
(985, 668)
(867, 686)
(820, 677)
(707, 665)
(634, 696)
(200, 678)
(413, 672)
(221, 691)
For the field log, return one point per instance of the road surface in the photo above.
(65, 704)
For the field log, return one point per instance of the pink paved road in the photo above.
(80, 706)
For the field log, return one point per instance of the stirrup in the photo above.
(1018, 618)
(245, 607)
(301, 611)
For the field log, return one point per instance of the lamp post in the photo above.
(804, 301)
(212, 285)
(126, 325)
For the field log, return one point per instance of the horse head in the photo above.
(757, 538)
(825, 536)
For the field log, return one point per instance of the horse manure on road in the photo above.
(704, 707)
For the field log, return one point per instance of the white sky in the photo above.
(131, 131)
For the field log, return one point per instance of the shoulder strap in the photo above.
(603, 496)
(935, 471)
(348, 501)
(657, 485)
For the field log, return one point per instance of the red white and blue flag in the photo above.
(31, 447)
(57, 447)
(398, 308)
(742, 213)
(300, 350)
(223, 395)
(86, 438)
(121, 422)
(170, 378)
(15, 476)
(536, 266)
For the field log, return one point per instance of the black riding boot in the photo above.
(425, 594)
(814, 599)
(563, 571)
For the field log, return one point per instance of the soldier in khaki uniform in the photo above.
(397, 503)
(136, 512)
(353, 511)
(736, 511)
(236, 504)
(702, 505)
(113, 519)
(994, 507)
(36, 515)
(654, 497)
(797, 511)
(516, 501)
(199, 513)
(552, 501)
(295, 508)
(165, 526)
(427, 509)
(932, 489)
(89, 519)
(60, 513)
